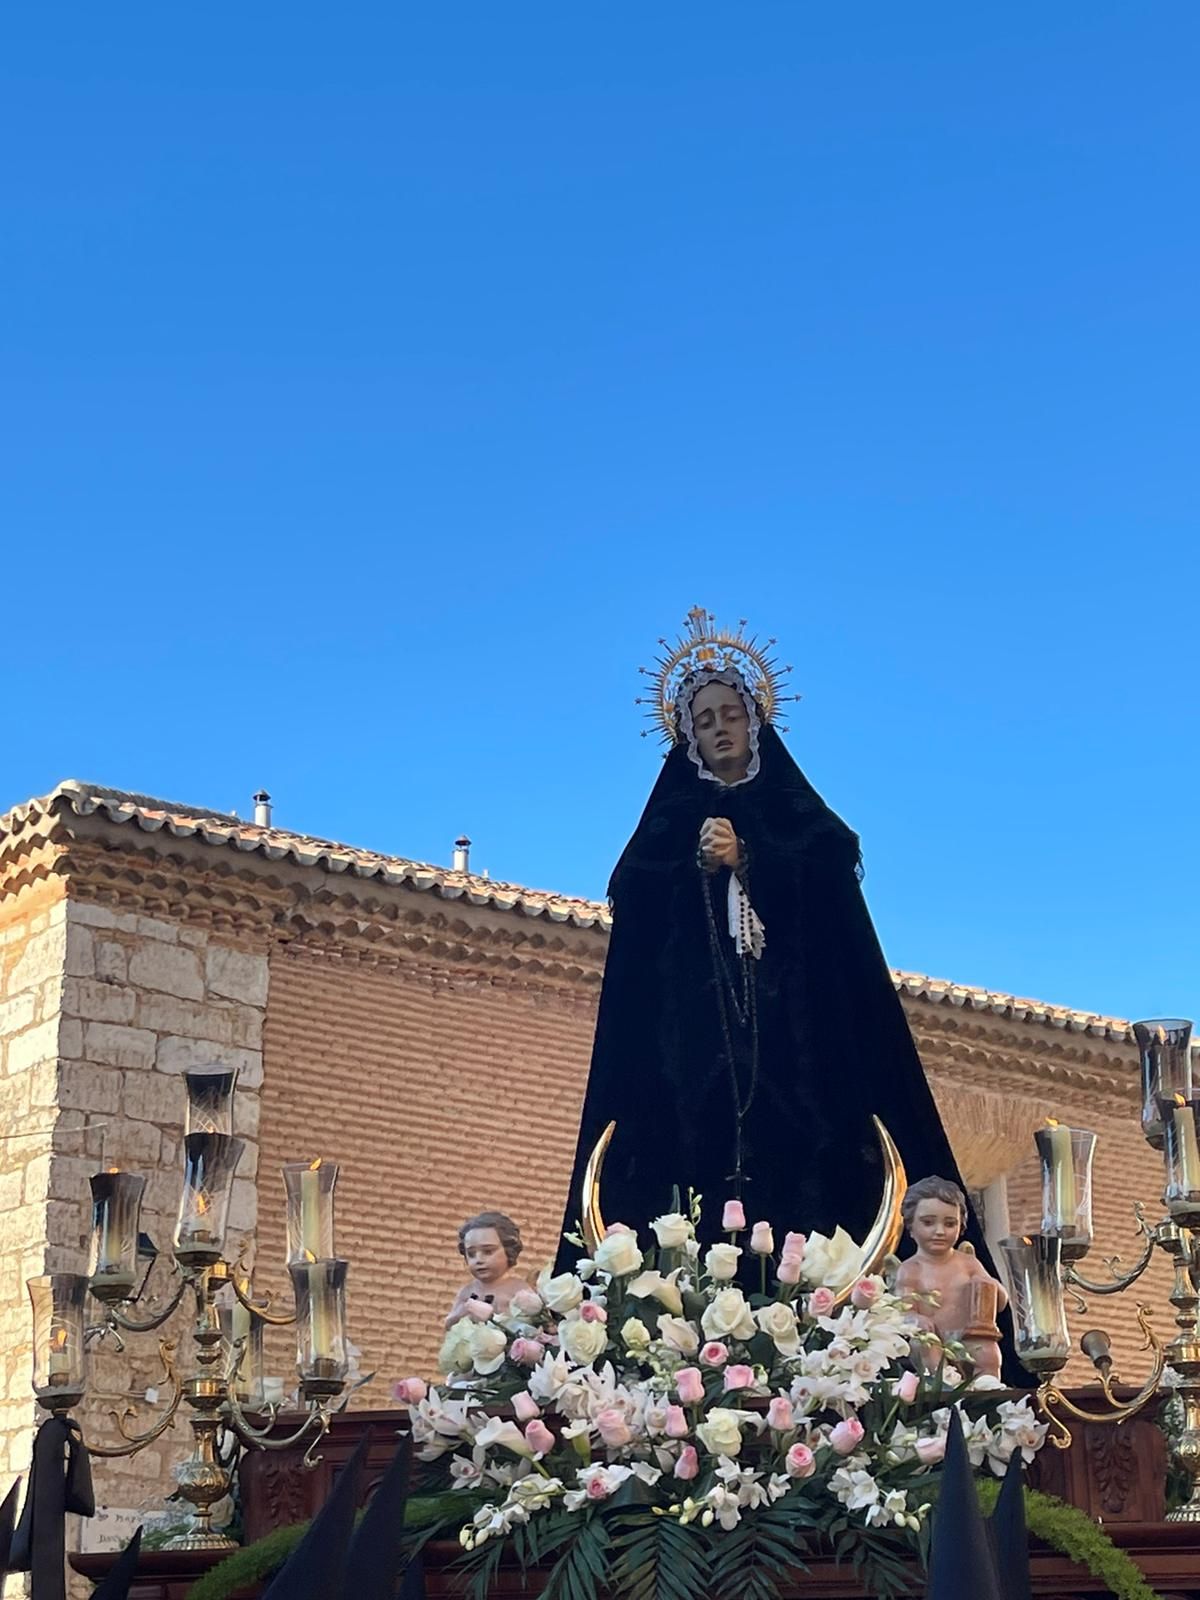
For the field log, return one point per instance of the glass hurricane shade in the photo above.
(59, 1358)
(210, 1161)
(320, 1290)
(1039, 1316)
(1179, 1115)
(239, 1323)
(309, 1187)
(1165, 1047)
(209, 1099)
(1066, 1156)
(113, 1265)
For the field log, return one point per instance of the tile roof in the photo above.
(222, 830)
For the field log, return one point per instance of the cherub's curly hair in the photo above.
(507, 1230)
(933, 1189)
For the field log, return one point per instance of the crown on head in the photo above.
(705, 648)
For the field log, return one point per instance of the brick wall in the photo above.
(441, 1090)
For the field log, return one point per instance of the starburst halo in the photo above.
(705, 647)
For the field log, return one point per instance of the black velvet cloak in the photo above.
(833, 1042)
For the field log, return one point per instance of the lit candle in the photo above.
(320, 1310)
(310, 1211)
(1187, 1149)
(1061, 1168)
(58, 1368)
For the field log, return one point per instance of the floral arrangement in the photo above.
(655, 1428)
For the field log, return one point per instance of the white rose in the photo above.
(582, 1341)
(636, 1334)
(678, 1334)
(489, 1345)
(455, 1354)
(780, 1322)
(618, 1254)
(653, 1286)
(832, 1263)
(721, 1433)
(672, 1229)
(728, 1316)
(722, 1261)
(561, 1294)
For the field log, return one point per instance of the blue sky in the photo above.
(377, 386)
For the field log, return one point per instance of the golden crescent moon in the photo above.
(882, 1237)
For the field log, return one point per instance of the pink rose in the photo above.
(780, 1414)
(525, 1406)
(589, 1311)
(738, 1377)
(617, 1227)
(410, 1391)
(527, 1302)
(847, 1436)
(675, 1424)
(690, 1385)
(820, 1302)
(597, 1489)
(688, 1464)
(789, 1270)
(800, 1462)
(714, 1354)
(526, 1352)
(733, 1218)
(864, 1294)
(762, 1240)
(905, 1388)
(538, 1437)
(612, 1427)
(793, 1246)
(930, 1451)
(481, 1310)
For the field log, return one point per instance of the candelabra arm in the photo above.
(133, 1442)
(1051, 1399)
(1120, 1280)
(258, 1438)
(148, 1324)
(274, 1319)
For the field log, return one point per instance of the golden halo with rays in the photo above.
(707, 647)
(882, 1236)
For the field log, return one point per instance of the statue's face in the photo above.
(935, 1227)
(722, 730)
(485, 1255)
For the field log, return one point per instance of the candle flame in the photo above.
(1026, 1240)
(313, 1165)
(1179, 1099)
(112, 1169)
(202, 1202)
(58, 1339)
(308, 1256)
(1053, 1122)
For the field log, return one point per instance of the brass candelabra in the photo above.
(223, 1386)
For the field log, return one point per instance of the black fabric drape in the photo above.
(8, 1517)
(60, 1481)
(1010, 1536)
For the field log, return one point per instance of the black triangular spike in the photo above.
(374, 1558)
(313, 1571)
(121, 1574)
(1010, 1537)
(8, 1515)
(961, 1566)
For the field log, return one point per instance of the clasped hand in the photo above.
(719, 845)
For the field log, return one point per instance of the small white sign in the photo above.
(113, 1526)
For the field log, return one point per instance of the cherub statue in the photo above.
(950, 1291)
(489, 1243)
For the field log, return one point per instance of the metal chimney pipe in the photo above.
(262, 809)
(462, 854)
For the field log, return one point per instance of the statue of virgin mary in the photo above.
(748, 1027)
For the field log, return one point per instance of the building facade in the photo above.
(426, 1028)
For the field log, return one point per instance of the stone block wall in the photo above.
(35, 950)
